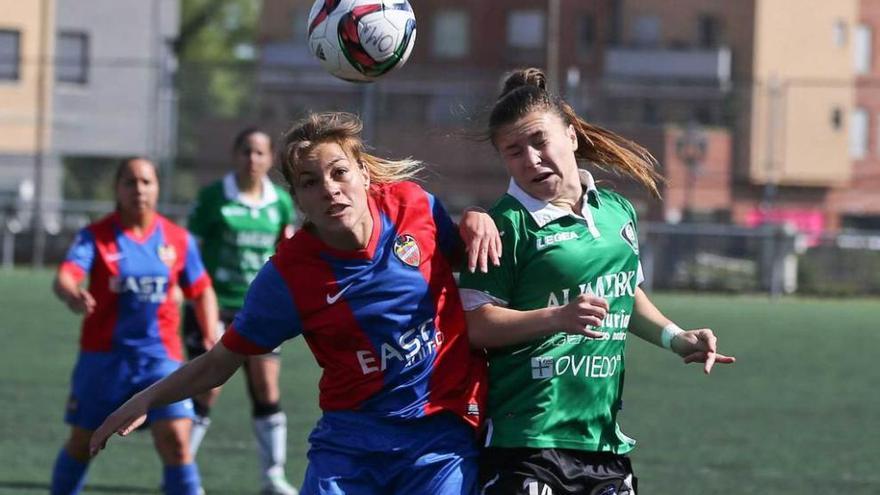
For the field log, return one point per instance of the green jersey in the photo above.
(562, 391)
(237, 235)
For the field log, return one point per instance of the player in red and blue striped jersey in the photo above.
(135, 260)
(368, 282)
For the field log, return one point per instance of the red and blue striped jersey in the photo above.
(132, 278)
(385, 323)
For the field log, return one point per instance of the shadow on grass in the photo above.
(90, 488)
(40, 487)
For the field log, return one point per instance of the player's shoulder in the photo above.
(398, 197)
(610, 197)
(173, 232)
(103, 229)
(508, 212)
(402, 190)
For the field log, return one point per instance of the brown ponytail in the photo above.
(525, 91)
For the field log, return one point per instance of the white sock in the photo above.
(197, 434)
(271, 434)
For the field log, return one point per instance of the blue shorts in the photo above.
(354, 455)
(103, 381)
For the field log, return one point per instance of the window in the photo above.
(586, 32)
(709, 31)
(858, 134)
(450, 34)
(525, 29)
(646, 30)
(836, 118)
(72, 57)
(863, 52)
(10, 55)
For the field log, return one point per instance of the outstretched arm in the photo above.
(695, 346)
(199, 375)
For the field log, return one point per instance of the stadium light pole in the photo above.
(553, 19)
(37, 223)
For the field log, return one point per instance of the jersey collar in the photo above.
(230, 189)
(543, 212)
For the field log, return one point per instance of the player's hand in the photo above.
(82, 302)
(481, 239)
(122, 421)
(581, 315)
(700, 346)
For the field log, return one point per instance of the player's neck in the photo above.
(137, 222)
(353, 239)
(249, 187)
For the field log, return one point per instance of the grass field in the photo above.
(797, 414)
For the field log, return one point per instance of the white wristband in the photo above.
(668, 333)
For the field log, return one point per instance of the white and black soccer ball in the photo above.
(361, 40)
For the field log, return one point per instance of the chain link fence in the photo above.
(438, 114)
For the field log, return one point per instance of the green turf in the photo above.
(795, 415)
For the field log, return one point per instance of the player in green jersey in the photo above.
(239, 220)
(555, 316)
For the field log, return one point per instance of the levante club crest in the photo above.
(167, 254)
(407, 250)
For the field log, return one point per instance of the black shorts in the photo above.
(192, 333)
(525, 471)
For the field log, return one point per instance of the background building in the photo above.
(82, 84)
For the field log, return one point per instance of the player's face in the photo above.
(253, 158)
(330, 188)
(137, 189)
(538, 151)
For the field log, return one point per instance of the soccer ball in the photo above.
(360, 40)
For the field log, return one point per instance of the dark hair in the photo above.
(124, 162)
(242, 136)
(343, 129)
(525, 91)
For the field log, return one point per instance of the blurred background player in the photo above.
(135, 260)
(368, 282)
(238, 221)
(555, 315)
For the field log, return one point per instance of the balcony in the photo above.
(696, 66)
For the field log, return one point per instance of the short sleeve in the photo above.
(80, 256)
(497, 285)
(448, 239)
(194, 278)
(267, 318)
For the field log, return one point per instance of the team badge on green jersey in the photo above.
(407, 250)
(628, 232)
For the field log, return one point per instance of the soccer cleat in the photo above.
(277, 485)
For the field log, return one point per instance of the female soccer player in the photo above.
(135, 259)
(555, 315)
(238, 221)
(368, 282)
